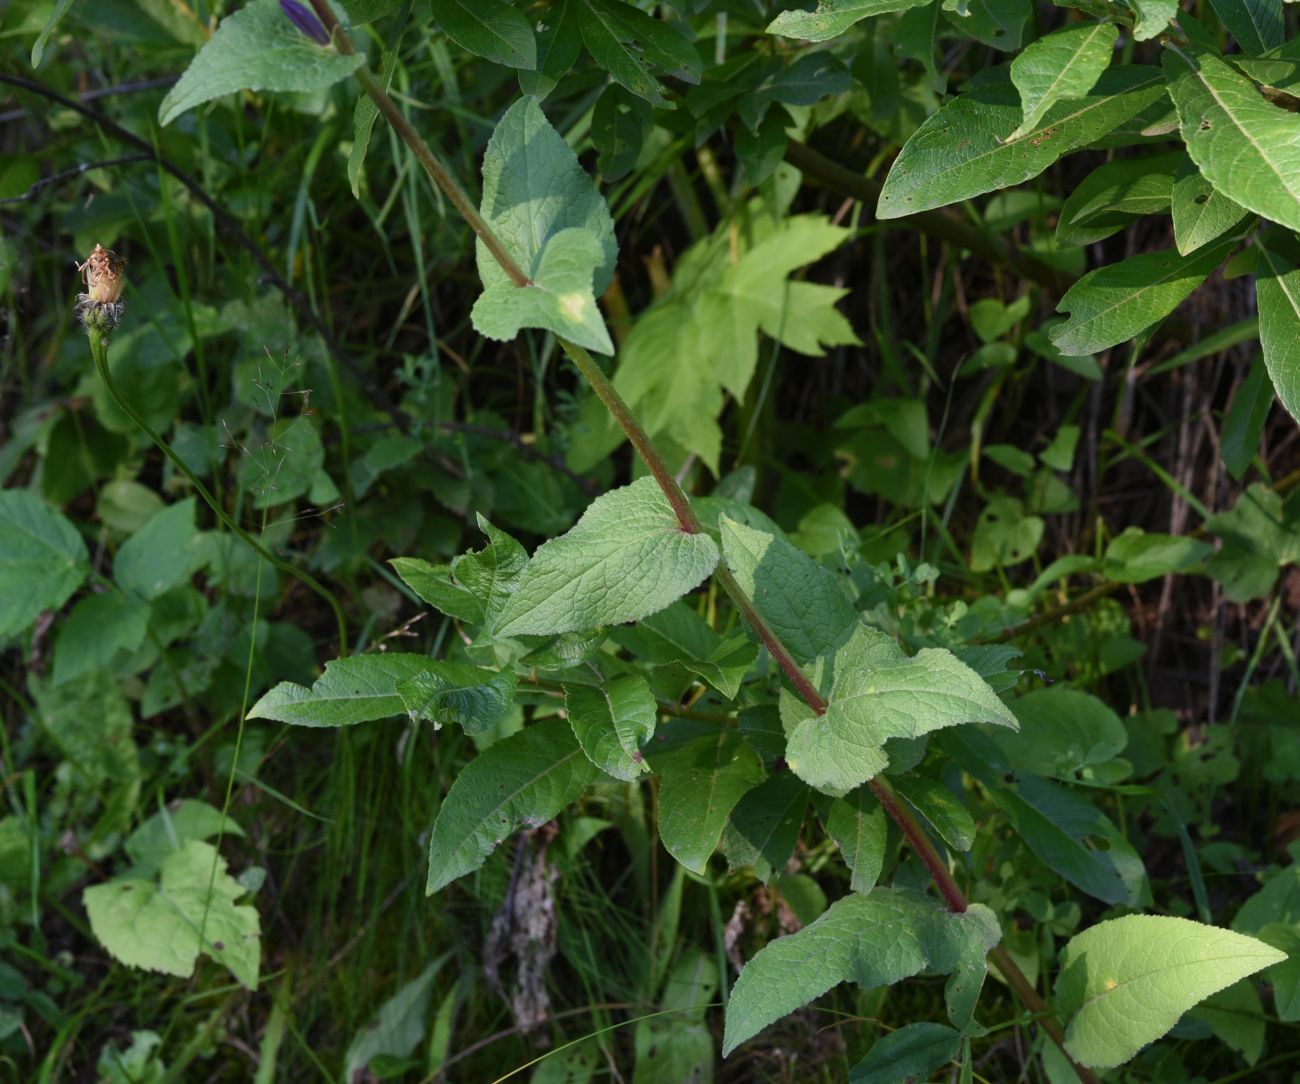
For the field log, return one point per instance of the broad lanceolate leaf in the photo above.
(434, 585)
(42, 559)
(454, 692)
(1245, 146)
(860, 829)
(629, 44)
(559, 298)
(492, 573)
(1125, 982)
(1065, 64)
(625, 558)
(802, 601)
(533, 190)
(964, 149)
(680, 635)
(163, 925)
(764, 826)
(256, 48)
(1243, 425)
(1201, 212)
(1277, 290)
(492, 29)
(873, 940)
(519, 782)
(700, 783)
(832, 17)
(1135, 557)
(874, 692)
(1112, 304)
(356, 689)
(1258, 25)
(613, 722)
(912, 1052)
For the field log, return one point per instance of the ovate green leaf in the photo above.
(613, 722)
(627, 557)
(1064, 64)
(492, 29)
(434, 585)
(163, 925)
(98, 627)
(873, 940)
(256, 48)
(1125, 982)
(42, 559)
(1245, 146)
(874, 692)
(1112, 304)
(161, 555)
(802, 601)
(356, 689)
(764, 826)
(1152, 17)
(1277, 289)
(522, 781)
(700, 783)
(559, 298)
(1201, 212)
(964, 149)
(534, 188)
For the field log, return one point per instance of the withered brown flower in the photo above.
(104, 274)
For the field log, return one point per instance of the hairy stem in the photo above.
(690, 524)
(99, 351)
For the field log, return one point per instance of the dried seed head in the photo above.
(104, 274)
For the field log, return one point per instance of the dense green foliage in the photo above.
(877, 663)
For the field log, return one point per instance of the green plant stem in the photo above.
(99, 351)
(690, 524)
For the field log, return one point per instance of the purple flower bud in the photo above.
(305, 20)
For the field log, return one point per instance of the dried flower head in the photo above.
(104, 275)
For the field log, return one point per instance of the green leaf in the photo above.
(1064, 64)
(1125, 982)
(1153, 17)
(521, 781)
(627, 557)
(168, 831)
(620, 123)
(1108, 199)
(559, 298)
(700, 783)
(1243, 425)
(941, 808)
(874, 940)
(963, 150)
(356, 689)
(1201, 212)
(98, 627)
(679, 635)
(1063, 732)
(433, 583)
(533, 189)
(559, 41)
(1135, 556)
(163, 925)
(492, 29)
(1277, 289)
(493, 573)
(860, 829)
(1259, 535)
(764, 825)
(51, 24)
(832, 17)
(629, 44)
(163, 554)
(613, 722)
(912, 1052)
(42, 559)
(874, 692)
(803, 602)
(1004, 535)
(1284, 977)
(1236, 1016)
(453, 692)
(256, 48)
(398, 1026)
(1242, 144)
(1112, 304)
(284, 463)
(1258, 25)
